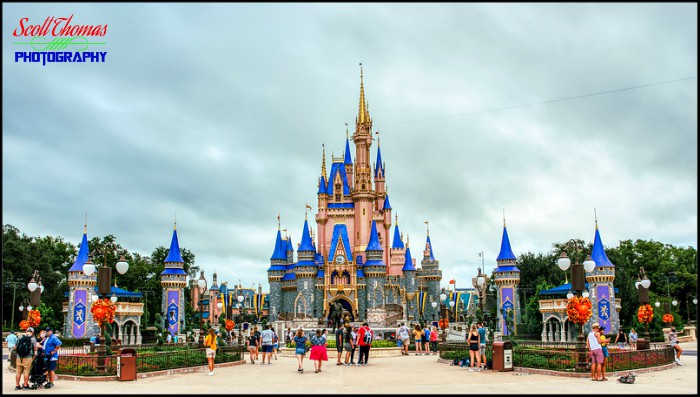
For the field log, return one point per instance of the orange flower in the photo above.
(579, 310)
(645, 314)
(229, 325)
(103, 311)
(667, 318)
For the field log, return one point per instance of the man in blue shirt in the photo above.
(426, 337)
(51, 347)
(482, 346)
(11, 340)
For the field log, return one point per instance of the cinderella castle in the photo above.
(354, 265)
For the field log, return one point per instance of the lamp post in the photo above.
(202, 284)
(445, 315)
(240, 299)
(104, 274)
(578, 285)
(643, 283)
(480, 288)
(687, 304)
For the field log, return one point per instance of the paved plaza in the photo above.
(390, 375)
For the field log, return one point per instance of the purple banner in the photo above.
(173, 313)
(507, 303)
(604, 307)
(79, 313)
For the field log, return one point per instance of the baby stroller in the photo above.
(37, 373)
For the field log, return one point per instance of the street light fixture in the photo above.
(480, 288)
(643, 283)
(202, 284)
(578, 285)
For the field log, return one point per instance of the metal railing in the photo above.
(94, 365)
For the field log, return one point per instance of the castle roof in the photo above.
(174, 253)
(348, 159)
(322, 185)
(373, 244)
(340, 235)
(598, 253)
(506, 253)
(280, 252)
(173, 271)
(408, 265)
(306, 243)
(397, 238)
(337, 168)
(379, 165)
(387, 205)
(82, 255)
(429, 247)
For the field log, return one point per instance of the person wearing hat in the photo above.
(51, 346)
(593, 343)
(24, 364)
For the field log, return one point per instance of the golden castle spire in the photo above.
(85, 227)
(323, 163)
(595, 215)
(363, 114)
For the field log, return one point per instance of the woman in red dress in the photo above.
(318, 350)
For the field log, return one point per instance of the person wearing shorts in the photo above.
(210, 343)
(339, 343)
(348, 344)
(596, 352)
(24, 364)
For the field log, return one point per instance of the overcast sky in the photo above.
(217, 112)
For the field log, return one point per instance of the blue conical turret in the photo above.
(174, 253)
(429, 248)
(408, 265)
(280, 252)
(387, 205)
(379, 165)
(306, 244)
(322, 185)
(82, 255)
(348, 159)
(598, 253)
(397, 238)
(506, 253)
(373, 244)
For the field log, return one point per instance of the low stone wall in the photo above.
(333, 353)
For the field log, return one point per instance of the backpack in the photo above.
(274, 337)
(629, 378)
(24, 347)
(368, 337)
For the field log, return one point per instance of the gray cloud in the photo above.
(218, 113)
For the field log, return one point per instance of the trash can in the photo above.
(502, 356)
(126, 364)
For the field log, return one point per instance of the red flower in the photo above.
(579, 310)
(645, 314)
(667, 318)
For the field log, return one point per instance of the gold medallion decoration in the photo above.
(340, 288)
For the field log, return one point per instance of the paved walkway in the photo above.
(391, 375)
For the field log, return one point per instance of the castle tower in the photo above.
(600, 287)
(323, 198)
(305, 272)
(81, 288)
(341, 275)
(363, 195)
(397, 252)
(173, 280)
(431, 274)
(275, 273)
(374, 270)
(409, 284)
(507, 279)
(347, 159)
(214, 291)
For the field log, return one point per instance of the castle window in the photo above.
(363, 210)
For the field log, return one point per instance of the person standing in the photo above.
(300, 351)
(434, 340)
(364, 338)
(253, 342)
(482, 344)
(275, 343)
(339, 343)
(405, 337)
(26, 347)
(596, 352)
(426, 339)
(348, 344)
(604, 346)
(266, 339)
(210, 343)
(318, 350)
(633, 339)
(621, 339)
(51, 346)
(11, 340)
(673, 338)
(355, 344)
(290, 335)
(474, 356)
(418, 338)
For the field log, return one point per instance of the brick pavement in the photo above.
(386, 375)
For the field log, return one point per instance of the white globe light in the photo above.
(201, 283)
(480, 281)
(443, 297)
(21, 308)
(452, 304)
(30, 307)
(563, 262)
(94, 298)
(240, 298)
(219, 305)
(569, 295)
(32, 285)
(589, 265)
(646, 282)
(674, 302)
(585, 294)
(122, 265)
(41, 289)
(113, 298)
(695, 301)
(88, 269)
(433, 304)
(637, 284)
(657, 304)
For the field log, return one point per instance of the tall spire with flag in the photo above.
(173, 280)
